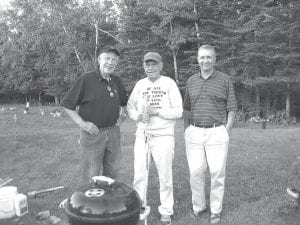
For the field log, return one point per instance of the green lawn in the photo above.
(40, 151)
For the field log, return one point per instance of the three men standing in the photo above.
(209, 111)
(155, 103)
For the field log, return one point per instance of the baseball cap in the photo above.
(152, 56)
(110, 49)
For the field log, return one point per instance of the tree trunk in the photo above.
(257, 102)
(175, 66)
(40, 98)
(56, 99)
(288, 102)
(268, 104)
(275, 103)
(96, 41)
(197, 26)
(70, 38)
(174, 54)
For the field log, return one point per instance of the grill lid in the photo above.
(103, 201)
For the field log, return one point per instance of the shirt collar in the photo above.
(99, 75)
(213, 74)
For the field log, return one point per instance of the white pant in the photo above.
(162, 151)
(207, 147)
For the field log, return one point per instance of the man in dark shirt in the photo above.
(209, 110)
(100, 97)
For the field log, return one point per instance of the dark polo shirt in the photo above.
(209, 100)
(99, 100)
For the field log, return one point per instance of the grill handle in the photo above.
(109, 180)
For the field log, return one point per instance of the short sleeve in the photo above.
(74, 96)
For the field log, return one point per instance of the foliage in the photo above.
(45, 45)
(51, 43)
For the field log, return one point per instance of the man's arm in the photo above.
(230, 120)
(187, 115)
(133, 113)
(175, 110)
(186, 118)
(122, 115)
(85, 125)
(231, 107)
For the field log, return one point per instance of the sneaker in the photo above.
(293, 193)
(165, 220)
(215, 218)
(144, 212)
(195, 214)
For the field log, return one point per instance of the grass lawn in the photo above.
(40, 151)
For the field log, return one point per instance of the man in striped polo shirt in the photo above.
(209, 111)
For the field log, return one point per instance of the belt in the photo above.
(206, 125)
(101, 129)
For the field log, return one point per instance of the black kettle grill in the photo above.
(105, 202)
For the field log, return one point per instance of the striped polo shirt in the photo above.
(209, 99)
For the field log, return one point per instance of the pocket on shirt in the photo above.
(218, 97)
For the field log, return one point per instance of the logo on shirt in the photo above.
(154, 96)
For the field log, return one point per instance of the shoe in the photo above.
(144, 212)
(215, 218)
(165, 220)
(195, 214)
(293, 193)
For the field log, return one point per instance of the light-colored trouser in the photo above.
(100, 153)
(207, 147)
(162, 151)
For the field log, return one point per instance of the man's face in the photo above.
(152, 69)
(206, 59)
(107, 62)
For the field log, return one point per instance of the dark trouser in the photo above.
(100, 152)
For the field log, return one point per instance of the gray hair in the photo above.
(208, 47)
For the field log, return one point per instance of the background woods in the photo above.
(46, 44)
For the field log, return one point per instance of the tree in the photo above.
(46, 39)
(173, 27)
(268, 55)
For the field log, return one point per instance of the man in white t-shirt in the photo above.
(155, 104)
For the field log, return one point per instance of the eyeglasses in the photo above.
(111, 91)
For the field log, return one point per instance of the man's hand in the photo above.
(144, 117)
(186, 118)
(230, 121)
(89, 127)
(228, 128)
(150, 110)
(121, 119)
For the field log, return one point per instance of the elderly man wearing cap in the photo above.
(100, 97)
(155, 103)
